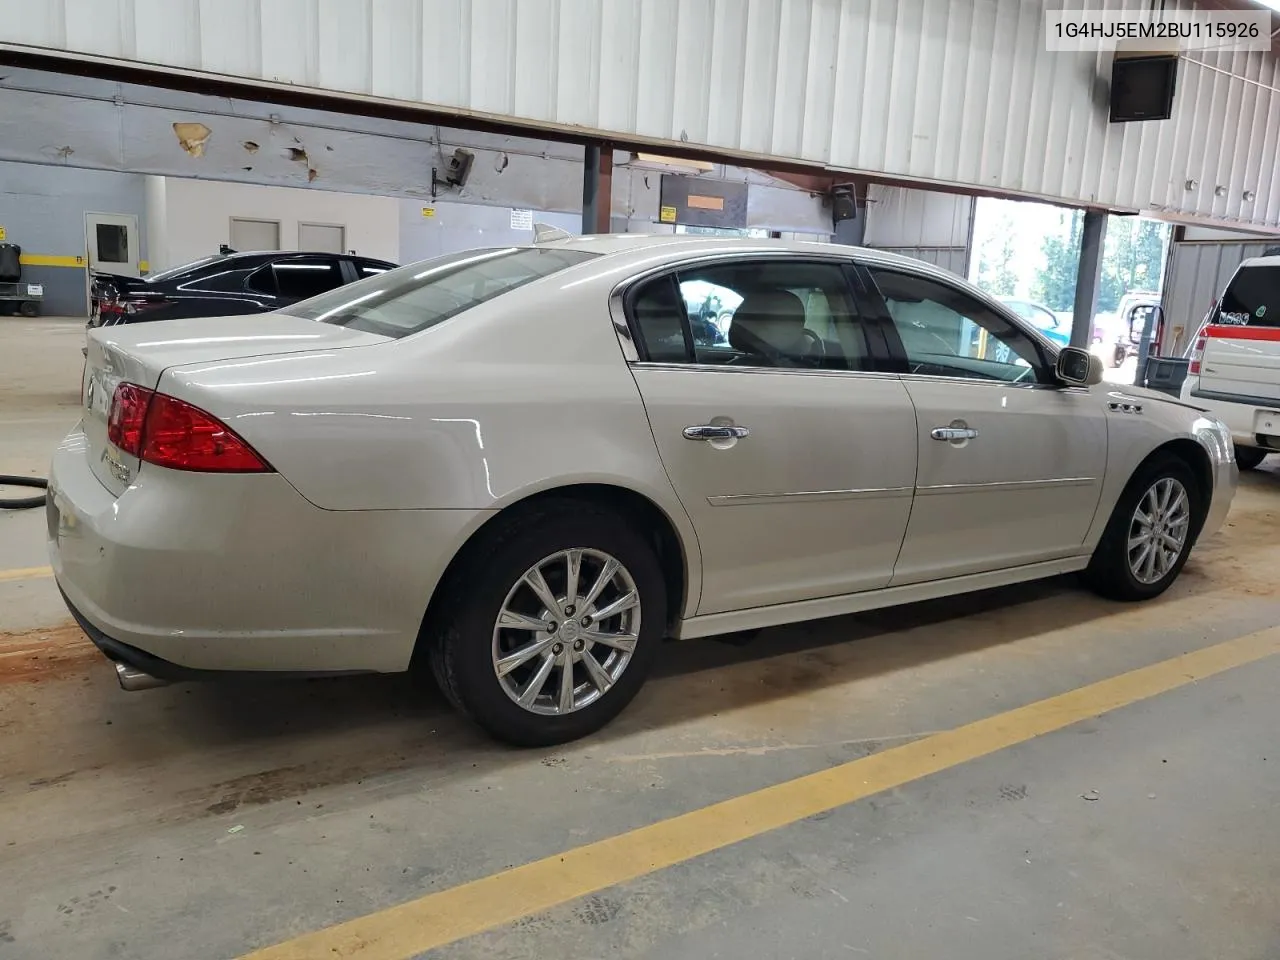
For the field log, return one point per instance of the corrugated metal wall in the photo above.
(926, 225)
(1196, 276)
(954, 259)
(955, 91)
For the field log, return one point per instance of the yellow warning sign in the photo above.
(428, 211)
(667, 215)
(2, 235)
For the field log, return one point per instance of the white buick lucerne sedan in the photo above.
(523, 468)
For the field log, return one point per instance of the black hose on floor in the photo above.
(22, 503)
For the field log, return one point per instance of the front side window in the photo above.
(780, 313)
(1252, 298)
(945, 332)
(409, 299)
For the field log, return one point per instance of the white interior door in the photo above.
(112, 242)
(321, 238)
(253, 235)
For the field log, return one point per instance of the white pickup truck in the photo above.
(1235, 360)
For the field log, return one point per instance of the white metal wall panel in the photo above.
(898, 217)
(944, 91)
(948, 258)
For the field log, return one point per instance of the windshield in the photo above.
(1252, 298)
(178, 271)
(410, 299)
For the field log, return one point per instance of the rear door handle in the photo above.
(711, 431)
(953, 433)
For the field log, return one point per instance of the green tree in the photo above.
(1131, 259)
(995, 264)
(1055, 287)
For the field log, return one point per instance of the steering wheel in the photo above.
(817, 347)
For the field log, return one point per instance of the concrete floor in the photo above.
(207, 820)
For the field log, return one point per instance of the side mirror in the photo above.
(1078, 368)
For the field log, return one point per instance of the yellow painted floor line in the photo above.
(25, 573)
(406, 930)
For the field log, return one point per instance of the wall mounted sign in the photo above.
(699, 202)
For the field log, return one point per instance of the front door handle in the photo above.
(711, 431)
(951, 434)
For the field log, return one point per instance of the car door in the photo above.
(1010, 463)
(791, 449)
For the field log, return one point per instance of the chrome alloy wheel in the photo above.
(1158, 530)
(566, 631)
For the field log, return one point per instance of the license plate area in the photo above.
(1267, 423)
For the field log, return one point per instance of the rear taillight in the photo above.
(127, 417)
(1197, 354)
(141, 306)
(169, 432)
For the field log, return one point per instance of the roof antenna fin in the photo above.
(544, 233)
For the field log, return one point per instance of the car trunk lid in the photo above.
(140, 353)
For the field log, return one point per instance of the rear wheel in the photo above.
(549, 625)
(29, 308)
(1150, 533)
(1248, 458)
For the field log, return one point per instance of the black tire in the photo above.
(23, 503)
(458, 632)
(1249, 458)
(1117, 359)
(1108, 573)
(29, 308)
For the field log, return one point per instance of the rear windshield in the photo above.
(179, 270)
(413, 298)
(1252, 298)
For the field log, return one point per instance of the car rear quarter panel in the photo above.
(526, 393)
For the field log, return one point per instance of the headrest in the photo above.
(775, 317)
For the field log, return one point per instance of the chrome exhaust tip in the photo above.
(132, 679)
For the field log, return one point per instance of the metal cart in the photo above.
(23, 298)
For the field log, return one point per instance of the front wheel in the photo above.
(1249, 458)
(1150, 533)
(550, 624)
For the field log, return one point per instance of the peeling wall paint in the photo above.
(53, 119)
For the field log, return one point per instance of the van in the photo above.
(1234, 369)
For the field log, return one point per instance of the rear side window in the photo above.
(371, 268)
(1252, 298)
(409, 299)
(751, 313)
(306, 277)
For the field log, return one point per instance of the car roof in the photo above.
(657, 249)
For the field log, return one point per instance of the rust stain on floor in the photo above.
(44, 653)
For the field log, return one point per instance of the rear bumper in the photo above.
(1237, 412)
(141, 662)
(198, 572)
